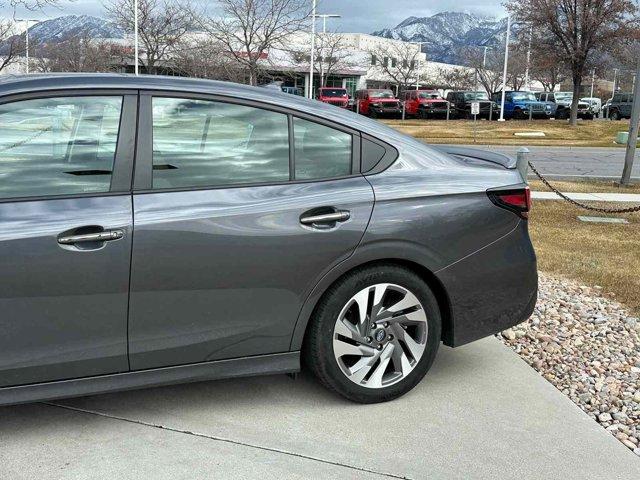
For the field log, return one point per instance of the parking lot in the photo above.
(480, 413)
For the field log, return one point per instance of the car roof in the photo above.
(21, 84)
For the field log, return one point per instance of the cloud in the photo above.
(357, 15)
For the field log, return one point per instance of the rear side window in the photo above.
(58, 146)
(199, 143)
(320, 151)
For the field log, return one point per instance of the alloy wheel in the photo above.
(380, 335)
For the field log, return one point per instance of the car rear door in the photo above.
(65, 241)
(233, 228)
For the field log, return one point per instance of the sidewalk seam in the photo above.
(226, 440)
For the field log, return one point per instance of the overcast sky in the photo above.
(357, 15)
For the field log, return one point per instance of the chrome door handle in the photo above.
(339, 216)
(105, 236)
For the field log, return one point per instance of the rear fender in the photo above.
(382, 251)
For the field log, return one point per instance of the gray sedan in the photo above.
(158, 230)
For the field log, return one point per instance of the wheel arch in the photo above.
(432, 281)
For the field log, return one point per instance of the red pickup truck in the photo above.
(334, 96)
(376, 102)
(424, 104)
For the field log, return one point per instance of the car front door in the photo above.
(238, 211)
(65, 241)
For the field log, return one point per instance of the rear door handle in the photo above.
(105, 236)
(326, 218)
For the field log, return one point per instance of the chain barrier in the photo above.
(578, 204)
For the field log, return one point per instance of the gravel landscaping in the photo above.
(588, 345)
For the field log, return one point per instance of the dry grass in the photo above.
(596, 254)
(558, 132)
(581, 186)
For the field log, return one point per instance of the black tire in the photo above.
(373, 114)
(318, 353)
(518, 114)
(615, 115)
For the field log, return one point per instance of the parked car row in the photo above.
(457, 104)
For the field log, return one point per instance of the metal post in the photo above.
(313, 47)
(403, 110)
(135, 36)
(448, 108)
(504, 71)
(527, 82)
(522, 162)
(475, 126)
(324, 39)
(593, 79)
(633, 132)
(530, 113)
(27, 42)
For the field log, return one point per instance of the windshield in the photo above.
(428, 95)
(562, 96)
(524, 96)
(333, 92)
(381, 94)
(476, 96)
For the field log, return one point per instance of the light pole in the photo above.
(484, 64)
(313, 47)
(418, 63)
(26, 36)
(324, 39)
(504, 71)
(135, 35)
(527, 82)
(593, 79)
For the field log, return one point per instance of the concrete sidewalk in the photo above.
(595, 197)
(482, 413)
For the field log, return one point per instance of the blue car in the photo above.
(518, 104)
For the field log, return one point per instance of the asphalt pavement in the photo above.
(574, 162)
(481, 413)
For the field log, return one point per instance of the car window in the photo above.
(320, 151)
(200, 143)
(58, 146)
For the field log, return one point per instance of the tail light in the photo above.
(517, 200)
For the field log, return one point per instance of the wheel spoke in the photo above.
(347, 329)
(414, 348)
(375, 380)
(400, 359)
(417, 316)
(360, 369)
(341, 349)
(409, 301)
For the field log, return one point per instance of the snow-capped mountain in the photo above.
(62, 28)
(446, 34)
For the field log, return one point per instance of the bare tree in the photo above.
(576, 28)
(487, 68)
(548, 69)
(161, 25)
(206, 58)
(457, 78)
(397, 60)
(12, 46)
(28, 4)
(81, 53)
(332, 55)
(249, 28)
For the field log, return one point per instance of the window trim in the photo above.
(124, 157)
(143, 181)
